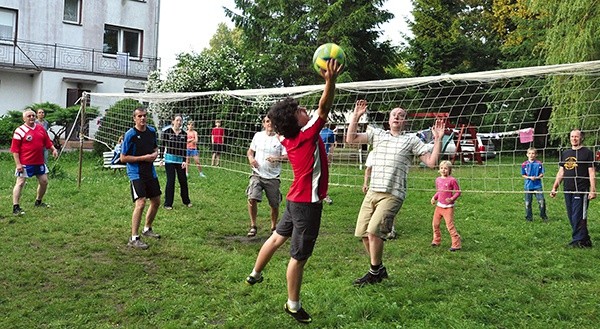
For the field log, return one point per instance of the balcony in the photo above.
(37, 56)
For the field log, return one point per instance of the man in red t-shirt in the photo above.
(28, 144)
(217, 138)
(299, 134)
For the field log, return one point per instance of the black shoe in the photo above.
(371, 278)
(40, 204)
(300, 315)
(581, 244)
(250, 280)
(17, 211)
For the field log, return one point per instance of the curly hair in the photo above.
(283, 117)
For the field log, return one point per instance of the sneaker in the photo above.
(392, 235)
(328, 199)
(454, 249)
(40, 204)
(435, 244)
(189, 205)
(137, 244)
(168, 208)
(371, 278)
(202, 175)
(151, 234)
(250, 280)
(17, 211)
(300, 315)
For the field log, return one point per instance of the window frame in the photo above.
(79, 12)
(15, 14)
(122, 41)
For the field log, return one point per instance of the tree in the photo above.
(572, 37)
(452, 36)
(282, 36)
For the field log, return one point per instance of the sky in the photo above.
(188, 25)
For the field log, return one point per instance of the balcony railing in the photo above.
(38, 56)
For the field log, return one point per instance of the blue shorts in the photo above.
(32, 170)
(192, 152)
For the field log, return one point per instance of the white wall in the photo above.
(15, 91)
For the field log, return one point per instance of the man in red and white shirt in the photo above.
(301, 220)
(28, 144)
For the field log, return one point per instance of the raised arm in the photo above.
(431, 159)
(330, 75)
(352, 137)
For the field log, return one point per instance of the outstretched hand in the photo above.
(333, 70)
(360, 108)
(438, 128)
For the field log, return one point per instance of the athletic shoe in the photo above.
(300, 315)
(250, 280)
(17, 211)
(189, 205)
(40, 204)
(168, 208)
(371, 278)
(151, 234)
(392, 235)
(137, 244)
(328, 200)
(202, 175)
(454, 249)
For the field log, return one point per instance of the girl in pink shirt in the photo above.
(447, 193)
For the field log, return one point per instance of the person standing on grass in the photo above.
(301, 219)
(175, 150)
(27, 147)
(576, 169)
(368, 170)
(138, 152)
(41, 120)
(443, 200)
(217, 138)
(264, 155)
(328, 137)
(392, 156)
(192, 149)
(532, 172)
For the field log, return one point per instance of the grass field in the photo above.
(68, 266)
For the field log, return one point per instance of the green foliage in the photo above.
(116, 121)
(572, 37)
(452, 36)
(8, 123)
(282, 36)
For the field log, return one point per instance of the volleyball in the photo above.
(326, 52)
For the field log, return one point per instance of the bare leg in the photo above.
(252, 211)
(152, 210)
(42, 186)
(274, 217)
(18, 189)
(267, 250)
(136, 217)
(295, 271)
(375, 249)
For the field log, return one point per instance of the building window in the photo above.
(122, 40)
(8, 25)
(72, 12)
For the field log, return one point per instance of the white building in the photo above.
(54, 50)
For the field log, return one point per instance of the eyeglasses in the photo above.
(30, 115)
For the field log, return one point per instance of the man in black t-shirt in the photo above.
(577, 171)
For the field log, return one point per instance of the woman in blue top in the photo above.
(175, 148)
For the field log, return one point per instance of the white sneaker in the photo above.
(328, 200)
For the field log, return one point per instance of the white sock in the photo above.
(255, 274)
(293, 305)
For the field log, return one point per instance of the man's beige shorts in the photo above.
(377, 213)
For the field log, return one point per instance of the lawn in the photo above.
(68, 266)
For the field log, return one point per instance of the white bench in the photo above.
(108, 156)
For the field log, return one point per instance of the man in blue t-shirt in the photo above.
(139, 150)
(577, 171)
(532, 171)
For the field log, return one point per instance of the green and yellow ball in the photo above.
(324, 53)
